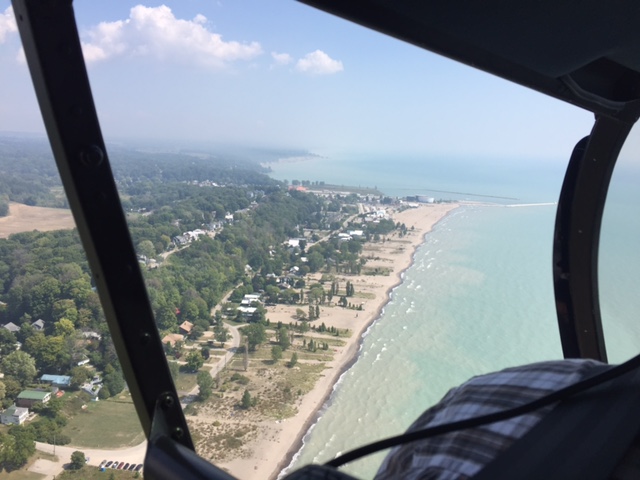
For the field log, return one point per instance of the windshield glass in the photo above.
(619, 262)
(335, 228)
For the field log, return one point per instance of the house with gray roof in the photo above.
(14, 415)
(12, 327)
(38, 325)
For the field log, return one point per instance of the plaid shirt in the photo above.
(460, 455)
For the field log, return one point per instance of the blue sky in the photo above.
(279, 73)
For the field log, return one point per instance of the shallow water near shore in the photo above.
(451, 318)
(478, 298)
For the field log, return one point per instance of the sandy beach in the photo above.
(273, 443)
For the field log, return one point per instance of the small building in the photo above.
(185, 327)
(38, 325)
(172, 338)
(12, 327)
(91, 335)
(180, 240)
(83, 361)
(61, 381)
(249, 298)
(14, 415)
(247, 311)
(92, 389)
(28, 398)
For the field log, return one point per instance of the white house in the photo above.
(14, 415)
(249, 298)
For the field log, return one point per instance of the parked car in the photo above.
(132, 467)
(138, 467)
(120, 465)
(108, 464)
(126, 466)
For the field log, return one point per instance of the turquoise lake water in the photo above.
(478, 298)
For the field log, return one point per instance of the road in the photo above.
(226, 358)
(50, 469)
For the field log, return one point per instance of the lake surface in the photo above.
(478, 298)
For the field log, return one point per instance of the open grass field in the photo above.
(108, 423)
(23, 218)
(185, 381)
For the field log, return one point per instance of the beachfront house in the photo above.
(28, 398)
(14, 415)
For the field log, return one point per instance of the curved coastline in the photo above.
(353, 354)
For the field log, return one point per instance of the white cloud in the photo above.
(7, 23)
(156, 32)
(318, 63)
(282, 58)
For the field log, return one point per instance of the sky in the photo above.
(281, 74)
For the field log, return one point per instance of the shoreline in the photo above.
(298, 444)
(276, 447)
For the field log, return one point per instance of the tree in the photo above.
(114, 382)
(7, 342)
(3, 390)
(194, 361)
(64, 328)
(16, 447)
(293, 361)
(246, 401)
(256, 335)
(205, 385)
(221, 334)
(79, 375)
(19, 365)
(50, 353)
(146, 248)
(282, 336)
(104, 393)
(78, 460)
(276, 353)
(260, 315)
(206, 353)
(303, 327)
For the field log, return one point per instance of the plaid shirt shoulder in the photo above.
(460, 455)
